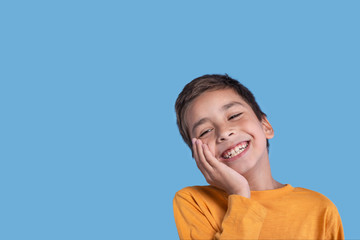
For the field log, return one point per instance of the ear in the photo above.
(268, 130)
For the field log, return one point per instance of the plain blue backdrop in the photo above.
(89, 147)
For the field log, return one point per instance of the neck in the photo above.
(260, 178)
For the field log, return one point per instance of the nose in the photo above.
(225, 135)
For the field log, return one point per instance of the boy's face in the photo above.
(229, 126)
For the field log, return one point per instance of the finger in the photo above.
(209, 156)
(194, 148)
(196, 154)
(196, 157)
(202, 159)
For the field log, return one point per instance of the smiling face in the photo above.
(229, 126)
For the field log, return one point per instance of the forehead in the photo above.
(211, 102)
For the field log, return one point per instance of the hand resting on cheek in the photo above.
(217, 173)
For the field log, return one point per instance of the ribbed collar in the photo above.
(273, 193)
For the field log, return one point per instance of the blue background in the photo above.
(88, 136)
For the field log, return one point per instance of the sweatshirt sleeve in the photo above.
(334, 229)
(194, 219)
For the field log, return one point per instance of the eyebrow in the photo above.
(229, 105)
(223, 108)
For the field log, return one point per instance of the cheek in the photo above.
(212, 148)
(210, 143)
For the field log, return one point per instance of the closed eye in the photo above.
(234, 116)
(205, 132)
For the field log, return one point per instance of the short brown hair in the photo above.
(206, 83)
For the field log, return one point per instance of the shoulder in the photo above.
(321, 205)
(314, 198)
(201, 194)
(204, 191)
(304, 192)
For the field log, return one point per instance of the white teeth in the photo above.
(236, 151)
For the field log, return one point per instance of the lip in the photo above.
(237, 156)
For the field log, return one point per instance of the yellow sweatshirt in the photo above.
(205, 212)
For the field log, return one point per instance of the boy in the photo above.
(228, 134)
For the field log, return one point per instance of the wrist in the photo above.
(242, 193)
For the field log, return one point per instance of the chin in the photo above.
(242, 167)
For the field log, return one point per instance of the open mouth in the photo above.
(234, 151)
